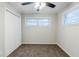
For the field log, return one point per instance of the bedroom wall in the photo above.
(2, 8)
(39, 34)
(12, 29)
(68, 35)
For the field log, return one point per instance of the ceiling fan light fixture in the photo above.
(39, 5)
(42, 5)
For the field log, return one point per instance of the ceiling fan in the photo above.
(39, 5)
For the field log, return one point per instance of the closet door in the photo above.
(12, 32)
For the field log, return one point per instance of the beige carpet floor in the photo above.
(38, 50)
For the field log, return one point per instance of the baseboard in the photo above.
(63, 49)
(37, 43)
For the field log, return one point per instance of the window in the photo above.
(31, 22)
(37, 21)
(72, 17)
(43, 22)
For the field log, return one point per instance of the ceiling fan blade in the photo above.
(50, 5)
(26, 3)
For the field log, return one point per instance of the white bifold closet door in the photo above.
(12, 32)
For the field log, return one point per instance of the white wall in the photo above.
(2, 29)
(68, 35)
(12, 30)
(39, 34)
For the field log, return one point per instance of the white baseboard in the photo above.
(37, 43)
(64, 49)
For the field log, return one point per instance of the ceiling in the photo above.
(46, 10)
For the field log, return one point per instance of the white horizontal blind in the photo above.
(37, 21)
